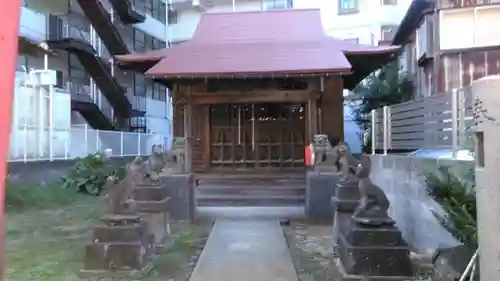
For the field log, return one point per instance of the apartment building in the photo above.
(82, 37)
(448, 44)
(369, 22)
(184, 15)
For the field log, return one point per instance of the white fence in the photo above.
(79, 141)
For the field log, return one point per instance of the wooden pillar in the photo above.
(188, 132)
(332, 108)
(206, 141)
(312, 119)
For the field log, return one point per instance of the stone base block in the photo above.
(346, 197)
(180, 190)
(114, 220)
(123, 244)
(119, 233)
(342, 205)
(153, 206)
(352, 277)
(374, 260)
(150, 193)
(347, 191)
(159, 226)
(341, 218)
(372, 251)
(320, 188)
(370, 236)
(119, 274)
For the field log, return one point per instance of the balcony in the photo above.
(201, 5)
(129, 11)
(75, 40)
(96, 110)
(454, 4)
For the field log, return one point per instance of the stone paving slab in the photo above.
(245, 250)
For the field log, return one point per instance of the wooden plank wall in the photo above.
(425, 122)
(331, 116)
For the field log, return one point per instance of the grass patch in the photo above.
(46, 232)
(22, 196)
(48, 244)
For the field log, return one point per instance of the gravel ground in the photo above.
(312, 252)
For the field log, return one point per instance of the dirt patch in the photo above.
(312, 251)
(48, 244)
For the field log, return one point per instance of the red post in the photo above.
(9, 30)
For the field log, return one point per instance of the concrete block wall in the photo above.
(401, 178)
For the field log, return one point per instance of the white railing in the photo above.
(30, 143)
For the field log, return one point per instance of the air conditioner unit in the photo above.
(44, 77)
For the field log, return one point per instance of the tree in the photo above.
(387, 86)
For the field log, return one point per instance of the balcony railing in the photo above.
(89, 93)
(446, 4)
(59, 28)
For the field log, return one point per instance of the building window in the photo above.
(173, 17)
(348, 6)
(478, 27)
(352, 40)
(139, 85)
(22, 63)
(277, 5)
(389, 2)
(388, 32)
(162, 12)
(139, 41)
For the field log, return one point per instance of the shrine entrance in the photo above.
(257, 135)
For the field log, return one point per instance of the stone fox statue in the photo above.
(346, 162)
(118, 195)
(372, 200)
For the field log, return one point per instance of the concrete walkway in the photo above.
(245, 250)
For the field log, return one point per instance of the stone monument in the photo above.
(322, 180)
(178, 184)
(370, 247)
(122, 245)
(486, 126)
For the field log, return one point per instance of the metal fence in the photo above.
(37, 144)
(432, 122)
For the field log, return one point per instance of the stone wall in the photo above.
(47, 171)
(401, 178)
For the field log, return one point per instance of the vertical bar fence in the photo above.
(30, 143)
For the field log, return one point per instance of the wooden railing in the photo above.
(438, 121)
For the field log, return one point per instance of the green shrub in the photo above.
(458, 198)
(89, 174)
(21, 196)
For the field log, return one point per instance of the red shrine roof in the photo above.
(257, 43)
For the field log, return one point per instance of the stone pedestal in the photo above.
(121, 247)
(152, 202)
(344, 203)
(372, 253)
(346, 196)
(320, 188)
(180, 189)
